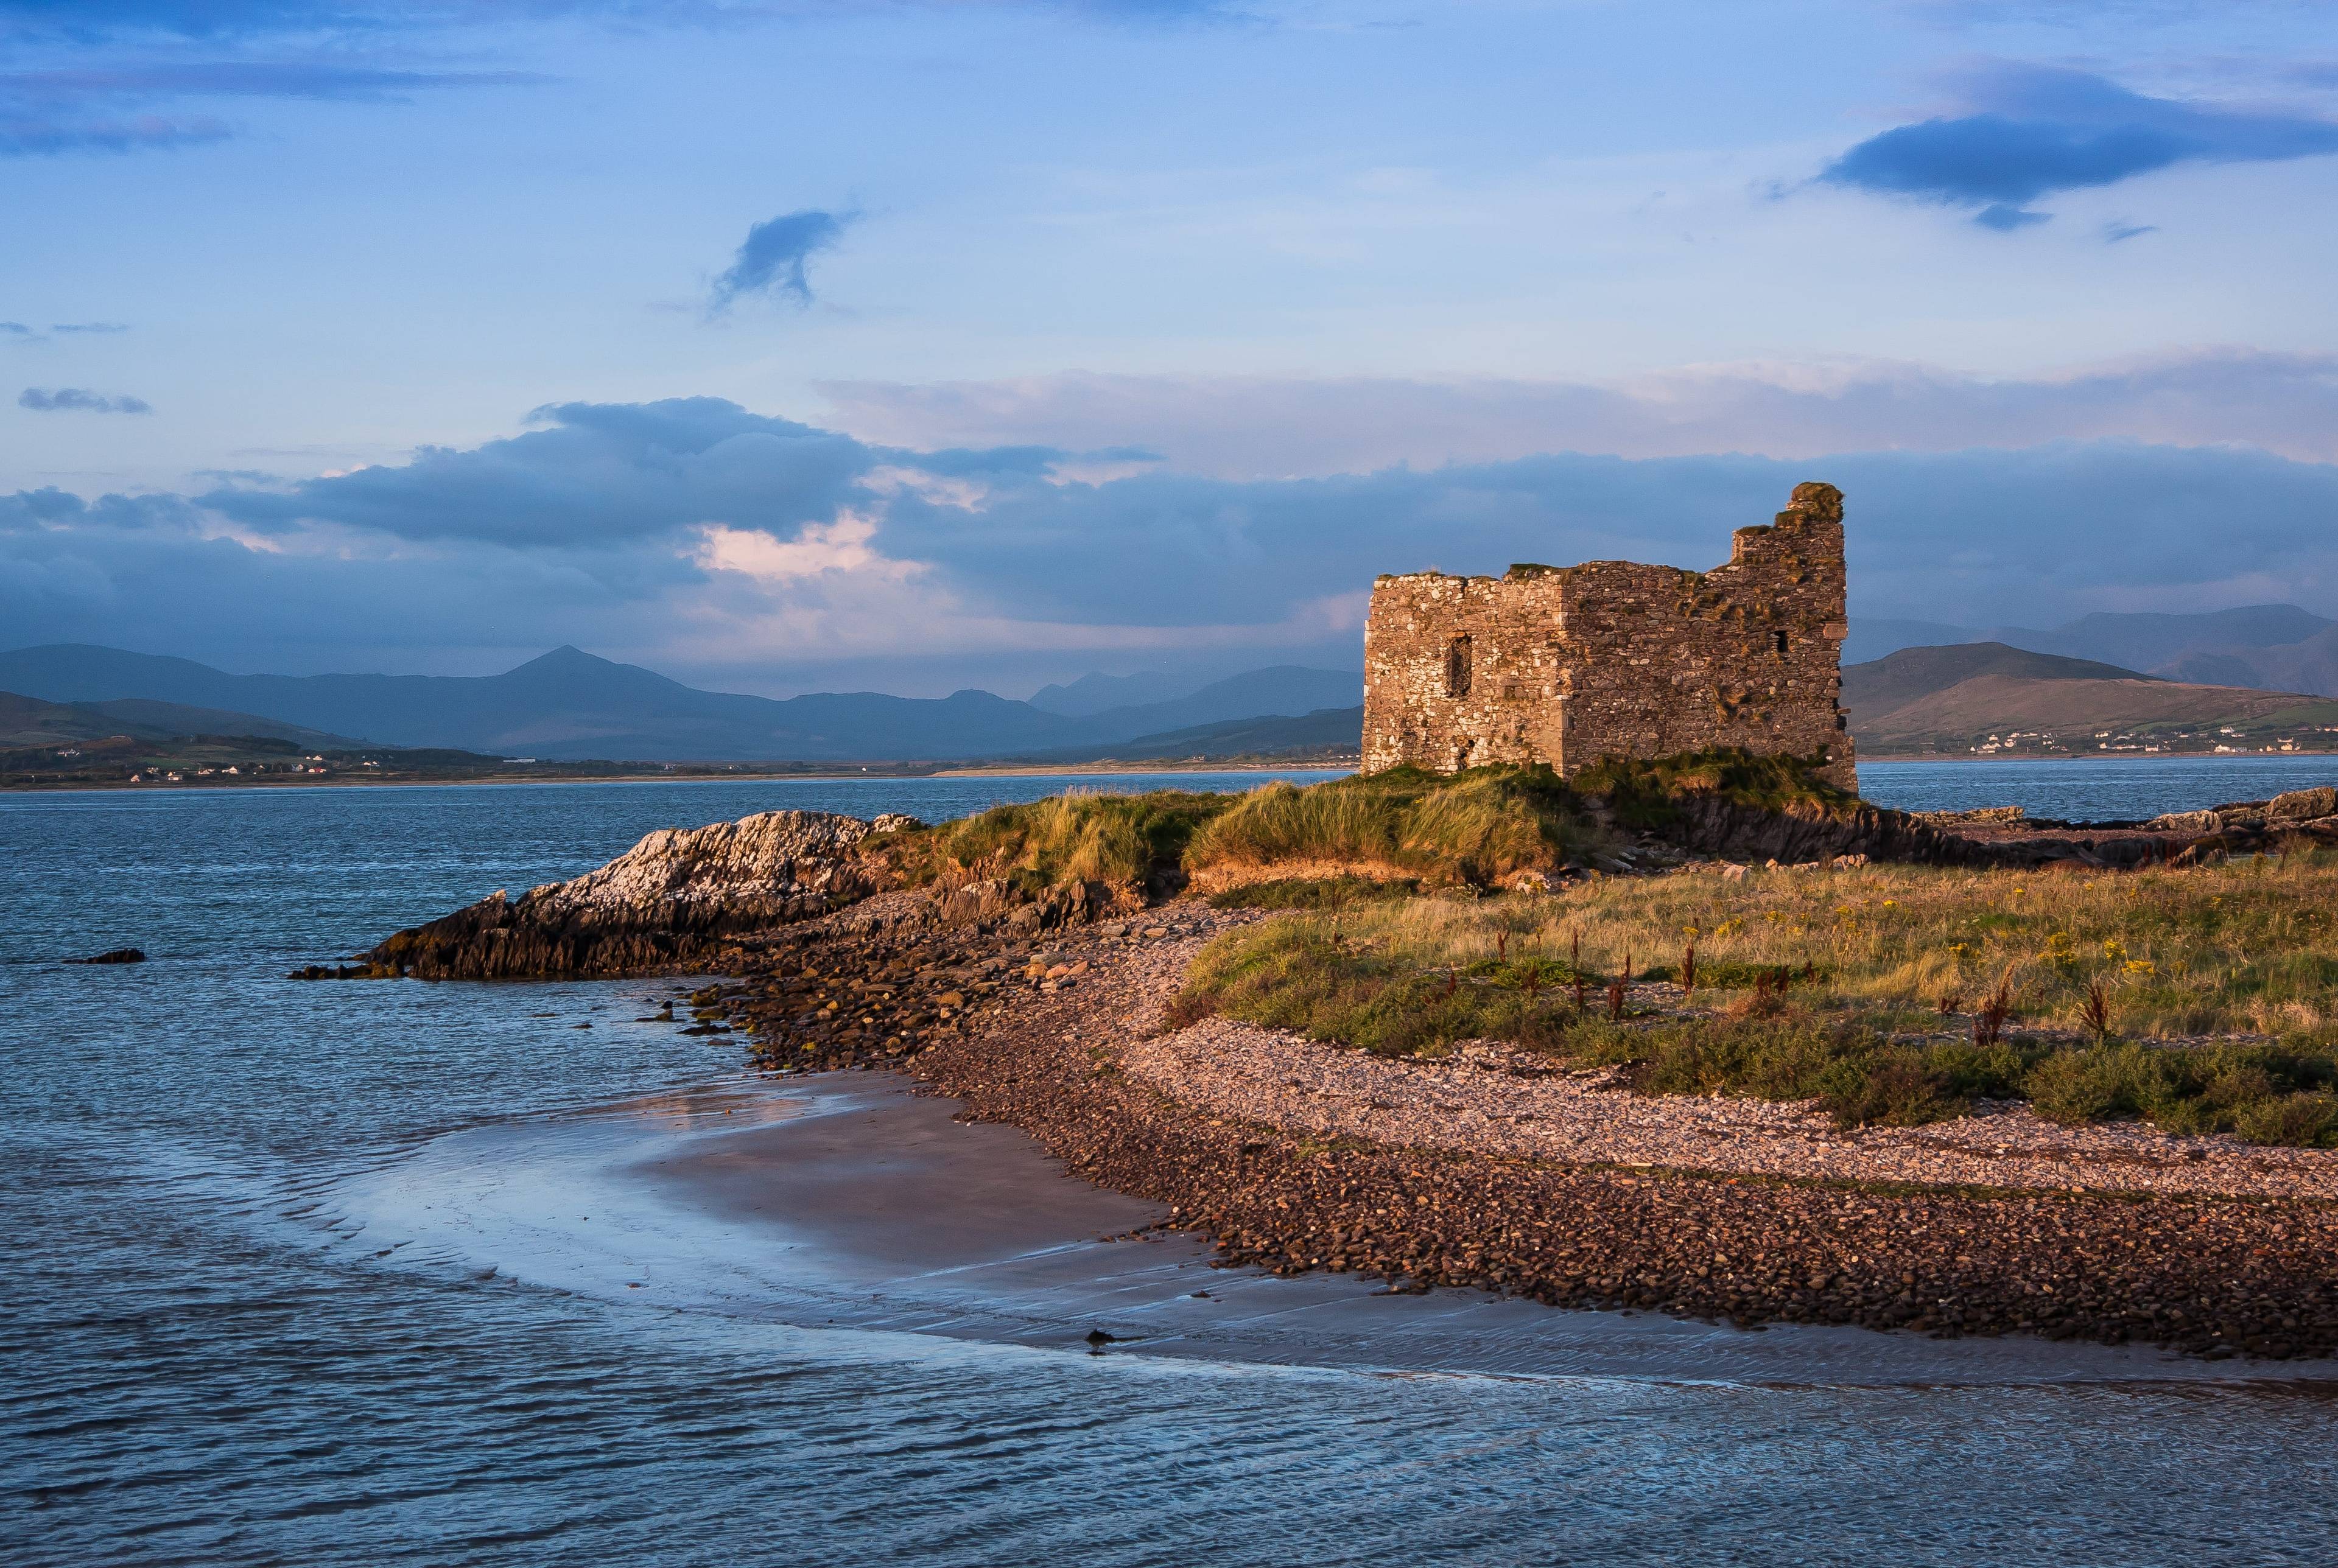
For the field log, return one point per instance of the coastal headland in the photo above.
(1703, 1036)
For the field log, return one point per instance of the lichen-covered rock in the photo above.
(2303, 805)
(1802, 832)
(998, 904)
(667, 902)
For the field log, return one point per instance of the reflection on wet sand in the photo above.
(848, 1202)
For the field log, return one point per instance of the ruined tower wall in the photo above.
(1458, 671)
(1615, 659)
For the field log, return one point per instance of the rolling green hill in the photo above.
(1989, 698)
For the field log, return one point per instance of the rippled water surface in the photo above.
(198, 1362)
(2090, 790)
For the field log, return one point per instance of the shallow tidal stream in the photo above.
(307, 1273)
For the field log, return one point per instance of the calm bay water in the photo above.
(2093, 791)
(193, 1370)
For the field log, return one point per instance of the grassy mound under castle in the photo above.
(1403, 826)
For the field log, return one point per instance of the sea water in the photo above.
(200, 1363)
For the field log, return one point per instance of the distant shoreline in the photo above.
(655, 775)
(872, 774)
(2103, 755)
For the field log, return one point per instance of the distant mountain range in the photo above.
(569, 705)
(1946, 697)
(26, 721)
(1991, 697)
(1097, 693)
(1327, 732)
(2270, 647)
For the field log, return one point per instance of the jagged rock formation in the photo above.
(666, 903)
(1800, 834)
(998, 904)
(1807, 833)
(2245, 826)
(2004, 836)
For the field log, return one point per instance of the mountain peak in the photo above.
(567, 656)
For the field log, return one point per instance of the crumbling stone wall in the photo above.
(1567, 665)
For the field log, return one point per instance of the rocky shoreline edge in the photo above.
(1026, 1009)
(2214, 1276)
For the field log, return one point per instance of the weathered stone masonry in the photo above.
(1567, 665)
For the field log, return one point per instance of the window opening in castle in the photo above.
(1456, 668)
(1780, 639)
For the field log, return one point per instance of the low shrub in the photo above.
(1370, 996)
(1476, 827)
(2264, 1093)
(1077, 836)
(1648, 794)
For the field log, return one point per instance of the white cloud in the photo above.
(839, 546)
(1257, 427)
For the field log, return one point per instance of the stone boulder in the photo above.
(998, 904)
(2303, 805)
(666, 903)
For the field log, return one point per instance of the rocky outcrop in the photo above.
(1804, 833)
(668, 903)
(687, 899)
(2257, 826)
(998, 904)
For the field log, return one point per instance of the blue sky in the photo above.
(796, 346)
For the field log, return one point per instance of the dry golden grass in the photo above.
(1856, 986)
(1081, 836)
(1476, 827)
(2246, 948)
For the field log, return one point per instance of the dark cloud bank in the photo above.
(2036, 130)
(76, 399)
(772, 261)
(591, 525)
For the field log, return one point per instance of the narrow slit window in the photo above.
(1779, 640)
(1456, 668)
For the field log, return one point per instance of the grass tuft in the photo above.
(1120, 841)
(1649, 794)
(1472, 827)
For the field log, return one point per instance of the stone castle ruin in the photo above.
(1567, 665)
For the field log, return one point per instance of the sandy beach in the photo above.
(849, 1200)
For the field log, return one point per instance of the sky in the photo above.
(798, 346)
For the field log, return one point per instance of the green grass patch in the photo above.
(1649, 794)
(1404, 825)
(1837, 987)
(1121, 841)
(1475, 827)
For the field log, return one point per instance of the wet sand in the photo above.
(848, 1202)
